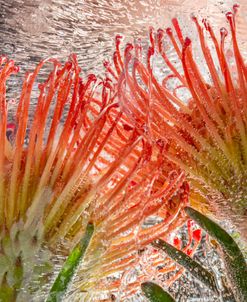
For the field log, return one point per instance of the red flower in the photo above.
(198, 111)
(71, 158)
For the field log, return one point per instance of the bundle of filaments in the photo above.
(126, 154)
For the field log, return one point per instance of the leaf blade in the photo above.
(233, 257)
(155, 293)
(65, 275)
(192, 266)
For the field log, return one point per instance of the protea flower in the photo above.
(69, 159)
(198, 112)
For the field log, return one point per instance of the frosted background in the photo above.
(31, 30)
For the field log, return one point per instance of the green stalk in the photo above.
(68, 270)
(192, 266)
(155, 293)
(233, 258)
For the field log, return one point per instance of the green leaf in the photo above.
(192, 266)
(233, 258)
(155, 293)
(7, 294)
(64, 277)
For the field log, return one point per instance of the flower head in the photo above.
(74, 158)
(198, 113)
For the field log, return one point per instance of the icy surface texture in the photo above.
(31, 30)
